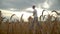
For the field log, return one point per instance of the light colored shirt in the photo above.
(34, 12)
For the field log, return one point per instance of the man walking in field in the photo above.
(35, 20)
(35, 13)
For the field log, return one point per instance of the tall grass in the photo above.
(30, 27)
(1, 18)
(12, 16)
(21, 19)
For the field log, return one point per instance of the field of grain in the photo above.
(30, 27)
(27, 28)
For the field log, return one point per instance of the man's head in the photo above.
(33, 6)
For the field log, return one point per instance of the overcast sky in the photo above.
(22, 4)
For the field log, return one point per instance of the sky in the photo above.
(19, 7)
(22, 4)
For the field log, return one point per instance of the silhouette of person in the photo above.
(35, 13)
(35, 20)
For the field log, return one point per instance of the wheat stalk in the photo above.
(43, 12)
(1, 18)
(12, 16)
(42, 15)
(21, 19)
(56, 13)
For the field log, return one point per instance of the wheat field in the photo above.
(30, 27)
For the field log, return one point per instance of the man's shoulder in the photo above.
(35, 10)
